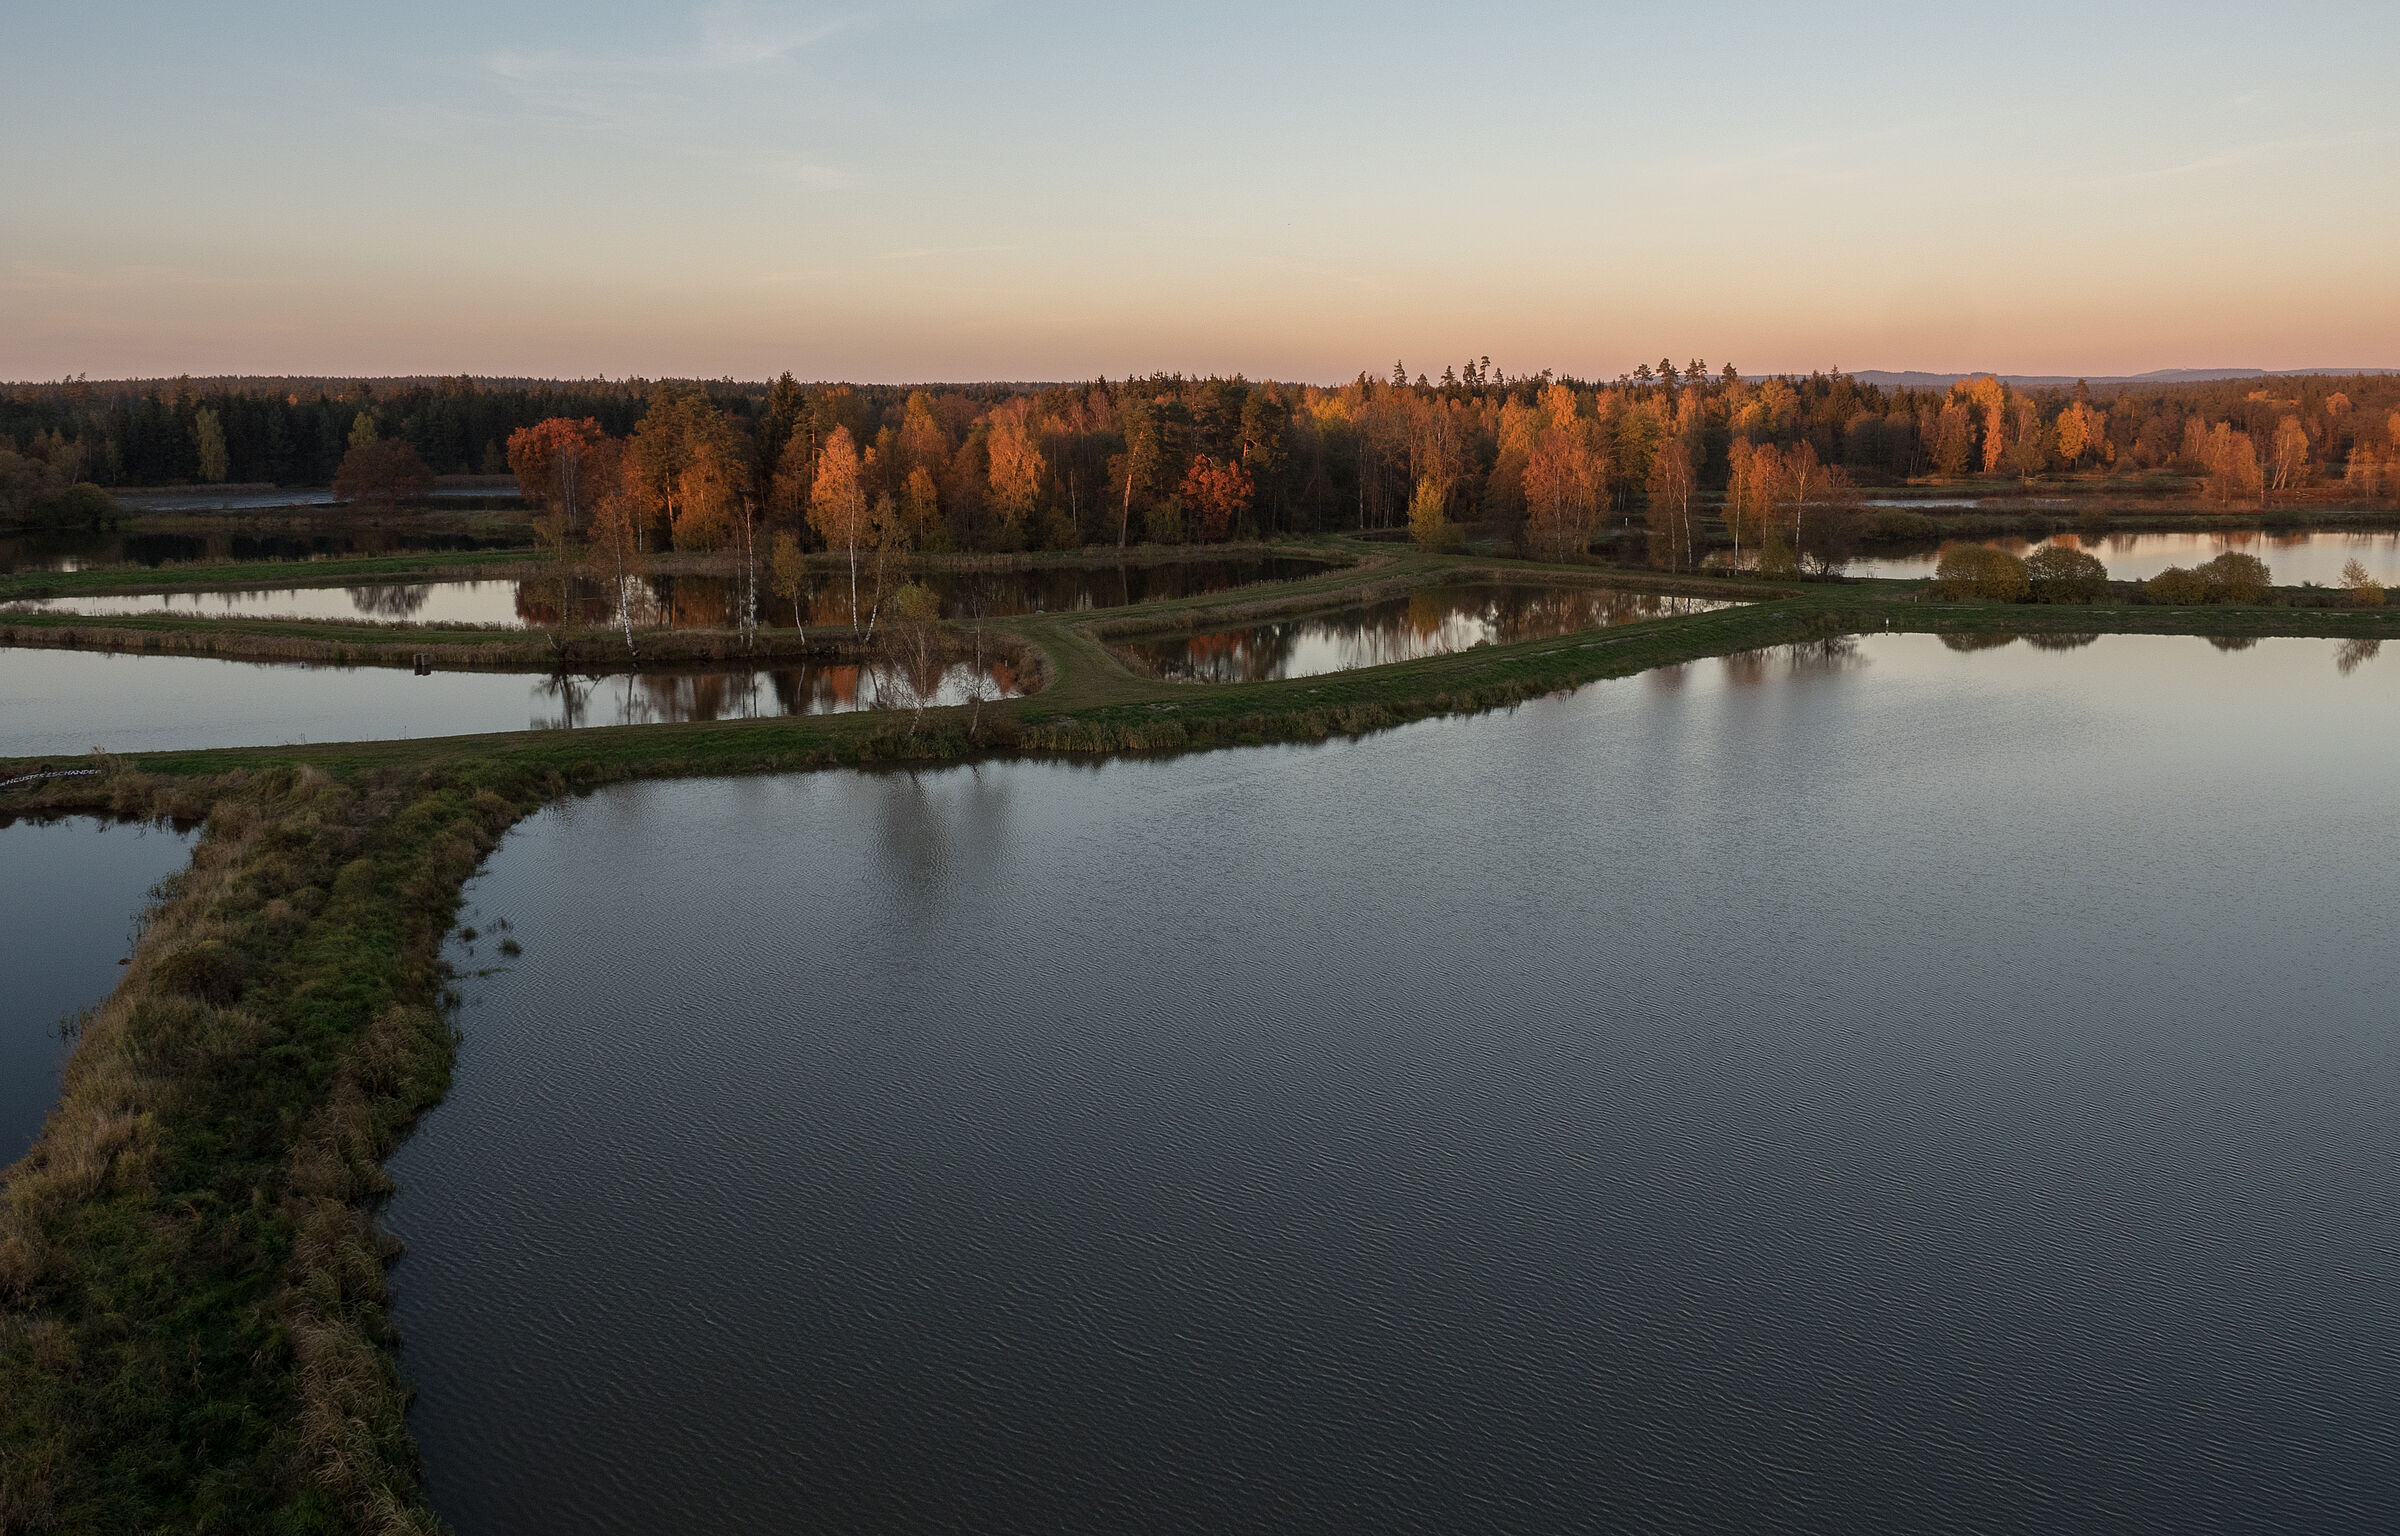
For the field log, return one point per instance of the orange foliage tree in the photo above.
(1218, 491)
(548, 459)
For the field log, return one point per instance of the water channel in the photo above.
(701, 601)
(2292, 558)
(1879, 1087)
(1430, 621)
(70, 892)
(80, 549)
(70, 702)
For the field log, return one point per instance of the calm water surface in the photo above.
(54, 702)
(2293, 558)
(1887, 1089)
(70, 891)
(1430, 621)
(699, 602)
(81, 550)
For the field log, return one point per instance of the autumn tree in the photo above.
(1669, 493)
(2229, 462)
(1563, 480)
(1428, 513)
(857, 526)
(548, 459)
(1953, 440)
(2288, 456)
(2365, 591)
(922, 443)
(685, 466)
(382, 473)
(921, 509)
(1990, 397)
(1016, 472)
(1218, 492)
(617, 551)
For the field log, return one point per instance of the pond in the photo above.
(1878, 1088)
(703, 601)
(251, 498)
(1429, 621)
(2292, 558)
(80, 550)
(73, 891)
(69, 702)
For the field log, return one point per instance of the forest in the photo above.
(1172, 459)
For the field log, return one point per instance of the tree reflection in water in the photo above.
(1430, 621)
(395, 602)
(657, 698)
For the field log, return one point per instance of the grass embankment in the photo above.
(193, 1328)
(447, 647)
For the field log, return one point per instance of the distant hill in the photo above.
(1912, 380)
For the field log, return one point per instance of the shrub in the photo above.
(2365, 591)
(1980, 571)
(1893, 523)
(2235, 578)
(2176, 587)
(208, 970)
(81, 505)
(2062, 575)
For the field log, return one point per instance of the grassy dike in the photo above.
(193, 1325)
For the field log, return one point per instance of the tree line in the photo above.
(1172, 458)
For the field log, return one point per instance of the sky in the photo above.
(953, 191)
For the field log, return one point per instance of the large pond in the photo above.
(1880, 1089)
(2293, 558)
(702, 602)
(1430, 621)
(69, 702)
(70, 893)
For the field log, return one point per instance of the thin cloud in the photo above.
(2239, 156)
(731, 37)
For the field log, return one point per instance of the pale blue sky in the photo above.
(902, 191)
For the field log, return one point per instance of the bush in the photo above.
(2062, 575)
(82, 505)
(1982, 572)
(1894, 524)
(2235, 578)
(209, 971)
(2365, 591)
(2176, 587)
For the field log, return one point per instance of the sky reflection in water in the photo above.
(60, 702)
(1430, 621)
